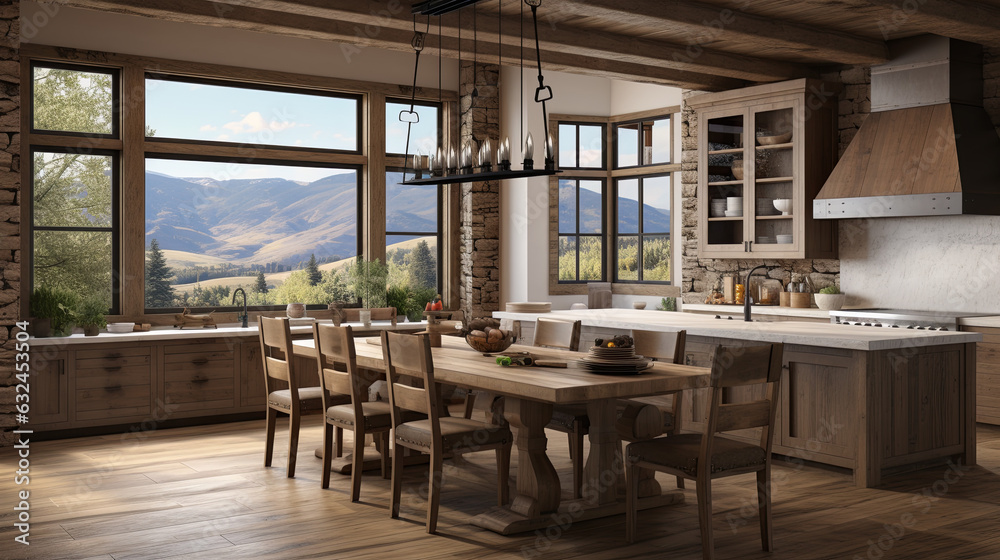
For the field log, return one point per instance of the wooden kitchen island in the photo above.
(873, 400)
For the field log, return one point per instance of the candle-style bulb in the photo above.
(439, 158)
(548, 148)
(505, 147)
(529, 148)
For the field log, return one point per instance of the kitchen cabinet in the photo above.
(758, 145)
(113, 384)
(49, 389)
(200, 376)
(987, 375)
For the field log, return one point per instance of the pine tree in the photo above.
(312, 271)
(158, 290)
(261, 285)
(423, 267)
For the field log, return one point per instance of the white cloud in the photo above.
(255, 122)
(208, 128)
(223, 137)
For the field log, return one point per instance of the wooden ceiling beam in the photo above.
(967, 20)
(347, 32)
(356, 23)
(724, 23)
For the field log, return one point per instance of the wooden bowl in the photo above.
(772, 140)
(487, 347)
(738, 169)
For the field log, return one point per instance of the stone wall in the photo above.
(479, 289)
(700, 275)
(10, 212)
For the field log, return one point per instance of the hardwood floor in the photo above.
(202, 493)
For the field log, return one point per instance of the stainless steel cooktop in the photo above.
(901, 318)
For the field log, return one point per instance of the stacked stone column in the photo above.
(10, 211)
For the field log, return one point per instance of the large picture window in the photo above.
(643, 229)
(581, 230)
(284, 233)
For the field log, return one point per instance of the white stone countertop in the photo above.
(223, 331)
(993, 321)
(789, 332)
(772, 310)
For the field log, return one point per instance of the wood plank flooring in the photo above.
(202, 493)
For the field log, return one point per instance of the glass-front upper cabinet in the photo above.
(755, 181)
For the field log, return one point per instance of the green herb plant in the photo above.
(831, 289)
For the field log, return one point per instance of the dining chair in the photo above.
(570, 419)
(703, 457)
(279, 368)
(408, 359)
(339, 375)
(661, 346)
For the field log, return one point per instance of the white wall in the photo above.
(56, 25)
(524, 247)
(934, 263)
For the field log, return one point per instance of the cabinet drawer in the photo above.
(121, 377)
(113, 401)
(199, 348)
(200, 380)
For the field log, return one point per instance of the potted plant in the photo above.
(367, 280)
(90, 315)
(400, 297)
(830, 298)
(52, 310)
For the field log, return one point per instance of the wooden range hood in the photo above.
(928, 148)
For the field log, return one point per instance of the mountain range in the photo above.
(655, 219)
(256, 221)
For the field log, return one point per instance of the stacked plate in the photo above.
(614, 361)
(784, 239)
(718, 206)
(529, 307)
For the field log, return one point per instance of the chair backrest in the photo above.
(663, 346)
(338, 365)
(276, 352)
(557, 333)
(407, 359)
(738, 367)
(353, 314)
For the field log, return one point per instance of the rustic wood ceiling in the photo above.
(698, 44)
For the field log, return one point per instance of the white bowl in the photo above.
(829, 302)
(783, 239)
(734, 213)
(120, 327)
(784, 205)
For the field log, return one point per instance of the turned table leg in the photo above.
(537, 482)
(604, 472)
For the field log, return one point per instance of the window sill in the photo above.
(626, 289)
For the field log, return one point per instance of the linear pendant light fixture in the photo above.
(449, 166)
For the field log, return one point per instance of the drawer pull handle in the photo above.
(114, 356)
(113, 388)
(113, 369)
(200, 361)
(199, 380)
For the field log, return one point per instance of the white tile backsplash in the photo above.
(947, 263)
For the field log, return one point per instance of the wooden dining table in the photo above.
(530, 394)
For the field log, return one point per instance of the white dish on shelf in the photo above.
(784, 239)
(120, 327)
(734, 202)
(734, 213)
(784, 205)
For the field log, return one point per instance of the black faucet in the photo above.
(244, 316)
(746, 294)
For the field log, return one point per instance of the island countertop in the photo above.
(789, 332)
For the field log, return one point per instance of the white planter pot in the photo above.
(830, 302)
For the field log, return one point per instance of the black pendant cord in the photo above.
(475, 51)
(418, 46)
(520, 55)
(543, 93)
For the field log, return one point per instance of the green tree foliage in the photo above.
(260, 285)
(159, 293)
(368, 280)
(312, 271)
(423, 267)
(655, 260)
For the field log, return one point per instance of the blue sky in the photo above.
(248, 116)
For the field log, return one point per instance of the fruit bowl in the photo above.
(486, 336)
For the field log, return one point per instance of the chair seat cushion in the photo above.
(377, 415)
(680, 452)
(458, 434)
(310, 398)
(565, 415)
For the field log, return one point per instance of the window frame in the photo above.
(439, 234)
(133, 147)
(116, 97)
(639, 147)
(604, 145)
(603, 235)
(640, 234)
(611, 174)
(116, 218)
